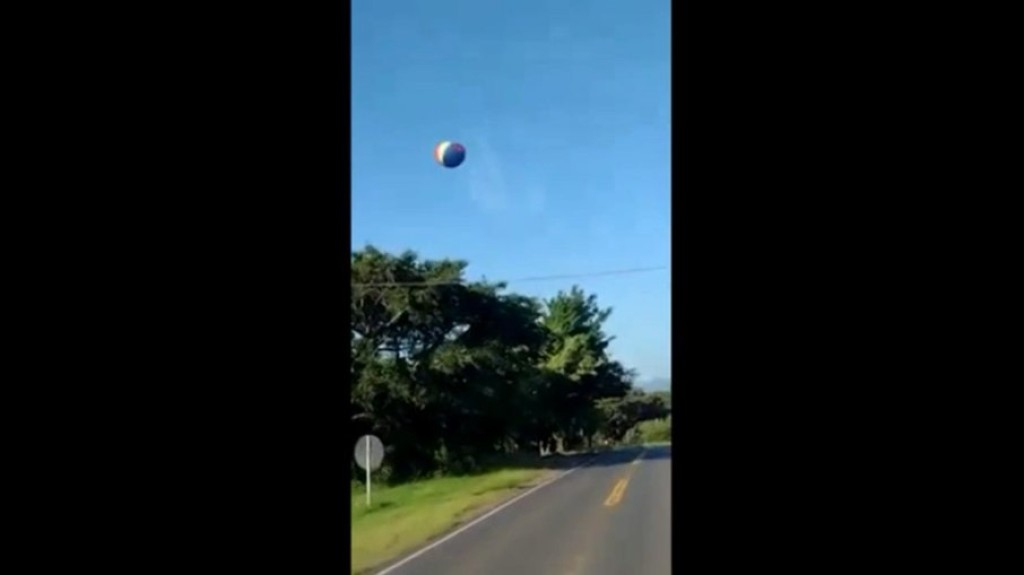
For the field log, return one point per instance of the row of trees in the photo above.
(449, 372)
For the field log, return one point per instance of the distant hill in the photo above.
(655, 384)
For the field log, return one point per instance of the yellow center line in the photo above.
(620, 486)
(616, 495)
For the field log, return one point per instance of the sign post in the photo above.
(369, 454)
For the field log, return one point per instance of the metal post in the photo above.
(367, 471)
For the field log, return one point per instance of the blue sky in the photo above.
(564, 109)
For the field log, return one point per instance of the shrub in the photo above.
(651, 430)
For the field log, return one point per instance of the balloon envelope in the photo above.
(449, 154)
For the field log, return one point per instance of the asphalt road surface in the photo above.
(609, 517)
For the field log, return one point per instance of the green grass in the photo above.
(404, 517)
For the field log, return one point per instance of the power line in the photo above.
(520, 280)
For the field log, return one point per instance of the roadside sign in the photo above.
(369, 454)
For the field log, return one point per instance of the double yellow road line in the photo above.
(620, 486)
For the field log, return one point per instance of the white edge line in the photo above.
(483, 517)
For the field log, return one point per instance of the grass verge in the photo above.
(405, 517)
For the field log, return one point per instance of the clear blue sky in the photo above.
(564, 109)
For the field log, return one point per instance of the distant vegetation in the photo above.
(451, 374)
(652, 431)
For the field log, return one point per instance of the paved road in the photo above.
(610, 517)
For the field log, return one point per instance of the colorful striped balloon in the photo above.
(449, 154)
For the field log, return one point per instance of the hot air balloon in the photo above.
(449, 154)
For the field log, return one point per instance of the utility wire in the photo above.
(520, 280)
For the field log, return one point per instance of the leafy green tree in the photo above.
(450, 372)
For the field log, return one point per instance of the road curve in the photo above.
(609, 517)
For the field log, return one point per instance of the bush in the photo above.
(651, 431)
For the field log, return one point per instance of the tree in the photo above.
(624, 413)
(449, 372)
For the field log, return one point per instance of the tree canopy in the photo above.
(449, 371)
